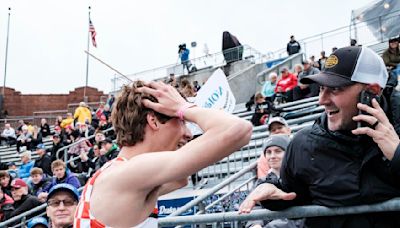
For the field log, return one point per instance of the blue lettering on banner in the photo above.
(213, 98)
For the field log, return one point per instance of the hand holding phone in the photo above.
(366, 98)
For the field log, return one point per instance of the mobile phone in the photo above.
(366, 98)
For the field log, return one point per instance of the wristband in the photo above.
(182, 110)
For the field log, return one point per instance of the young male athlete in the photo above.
(156, 155)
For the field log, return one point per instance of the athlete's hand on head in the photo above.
(382, 133)
(169, 99)
(264, 192)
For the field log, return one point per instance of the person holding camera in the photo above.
(334, 163)
(184, 56)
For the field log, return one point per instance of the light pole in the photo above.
(5, 64)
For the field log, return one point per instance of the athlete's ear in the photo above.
(152, 121)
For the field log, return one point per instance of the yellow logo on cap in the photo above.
(331, 61)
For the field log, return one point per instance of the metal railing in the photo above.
(291, 213)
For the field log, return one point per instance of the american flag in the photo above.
(92, 33)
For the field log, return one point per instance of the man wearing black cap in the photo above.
(335, 163)
(108, 151)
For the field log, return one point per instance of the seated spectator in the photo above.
(57, 144)
(36, 137)
(268, 89)
(44, 128)
(6, 206)
(39, 181)
(12, 170)
(274, 151)
(23, 201)
(62, 200)
(99, 137)
(61, 175)
(304, 91)
(391, 57)
(69, 121)
(91, 161)
(44, 160)
(298, 68)
(108, 151)
(38, 222)
(5, 182)
(26, 166)
(196, 86)
(58, 121)
(75, 150)
(103, 123)
(263, 110)
(276, 126)
(286, 84)
(83, 114)
(8, 136)
(313, 63)
(21, 123)
(24, 139)
(100, 110)
(85, 130)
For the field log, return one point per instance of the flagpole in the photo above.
(6, 57)
(87, 60)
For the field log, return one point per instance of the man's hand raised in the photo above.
(264, 192)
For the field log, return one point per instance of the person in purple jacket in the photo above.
(61, 175)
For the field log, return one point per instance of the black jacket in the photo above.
(334, 169)
(44, 163)
(26, 203)
(293, 47)
(54, 149)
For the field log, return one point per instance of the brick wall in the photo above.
(17, 104)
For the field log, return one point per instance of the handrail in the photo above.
(76, 143)
(213, 190)
(293, 212)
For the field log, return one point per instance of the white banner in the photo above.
(216, 93)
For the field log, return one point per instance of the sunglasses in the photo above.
(56, 203)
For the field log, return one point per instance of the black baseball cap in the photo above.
(350, 65)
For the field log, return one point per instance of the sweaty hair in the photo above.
(129, 115)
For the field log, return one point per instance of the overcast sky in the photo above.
(48, 38)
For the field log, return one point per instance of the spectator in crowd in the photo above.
(57, 144)
(353, 42)
(23, 201)
(334, 163)
(274, 151)
(100, 110)
(108, 151)
(263, 110)
(58, 121)
(334, 49)
(61, 175)
(5, 182)
(107, 111)
(39, 181)
(268, 89)
(276, 126)
(188, 91)
(314, 63)
(61, 205)
(391, 56)
(12, 169)
(8, 136)
(155, 120)
(286, 84)
(82, 113)
(322, 60)
(21, 123)
(69, 121)
(6, 206)
(24, 139)
(293, 46)
(303, 91)
(172, 81)
(184, 56)
(36, 137)
(91, 161)
(110, 101)
(196, 86)
(99, 137)
(26, 166)
(44, 160)
(298, 68)
(58, 130)
(38, 222)
(44, 128)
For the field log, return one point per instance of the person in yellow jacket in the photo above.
(82, 113)
(68, 121)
